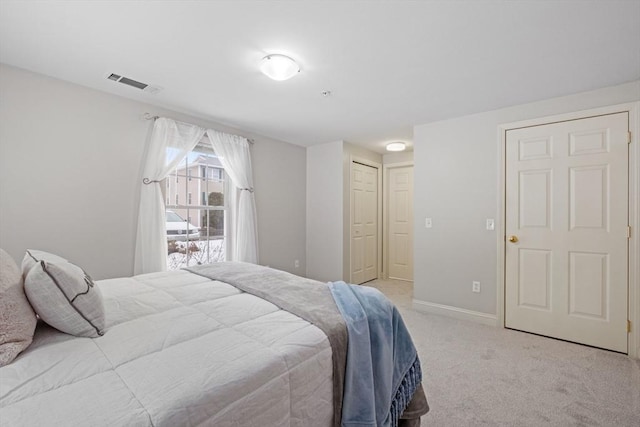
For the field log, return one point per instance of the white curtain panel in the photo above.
(233, 152)
(170, 143)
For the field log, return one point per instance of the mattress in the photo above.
(180, 350)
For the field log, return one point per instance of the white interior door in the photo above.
(364, 223)
(400, 211)
(566, 230)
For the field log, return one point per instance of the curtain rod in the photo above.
(148, 116)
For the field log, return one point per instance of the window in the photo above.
(212, 173)
(216, 173)
(196, 232)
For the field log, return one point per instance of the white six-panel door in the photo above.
(400, 211)
(566, 230)
(364, 223)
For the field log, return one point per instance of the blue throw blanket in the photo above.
(383, 370)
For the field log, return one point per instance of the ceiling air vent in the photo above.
(134, 83)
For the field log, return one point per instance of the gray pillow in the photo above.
(65, 297)
(34, 256)
(17, 319)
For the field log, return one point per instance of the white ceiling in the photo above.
(389, 64)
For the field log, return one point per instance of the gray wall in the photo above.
(325, 211)
(279, 171)
(401, 157)
(456, 184)
(70, 161)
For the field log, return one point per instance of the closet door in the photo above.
(364, 223)
(400, 211)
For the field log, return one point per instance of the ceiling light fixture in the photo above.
(279, 67)
(396, 146)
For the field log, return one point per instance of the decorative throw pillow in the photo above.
(65, 297)
(33, 257)
(17, 319)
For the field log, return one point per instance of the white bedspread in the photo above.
(180, 350)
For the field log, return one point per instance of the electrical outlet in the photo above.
(296, 264)
(475, 286)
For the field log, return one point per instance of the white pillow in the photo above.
(34, 256)
(65, 297)
(17, 319)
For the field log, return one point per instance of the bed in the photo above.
(186, 348)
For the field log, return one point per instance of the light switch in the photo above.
(427, 222)
(491, 224)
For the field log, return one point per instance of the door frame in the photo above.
(633, 298)
(385, 213)
(355, 159)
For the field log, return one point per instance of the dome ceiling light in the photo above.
(396, 146)
(279, 67)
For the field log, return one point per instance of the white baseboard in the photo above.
(458, 313)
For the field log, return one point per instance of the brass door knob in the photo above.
(513, 239)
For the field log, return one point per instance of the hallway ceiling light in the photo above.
(396, 146)
(279, 67)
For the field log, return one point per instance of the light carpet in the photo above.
(478, 375)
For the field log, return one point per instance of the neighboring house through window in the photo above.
(196, 232)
